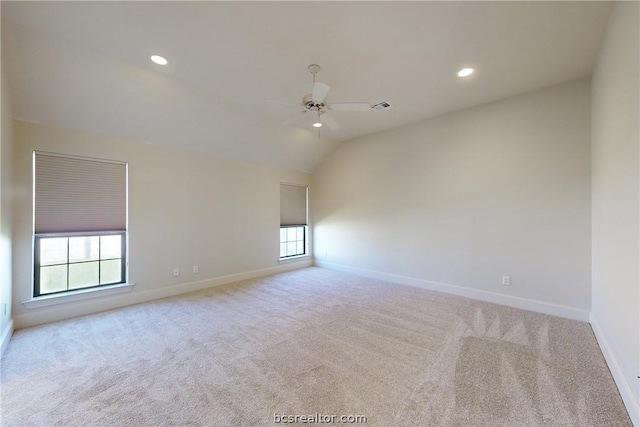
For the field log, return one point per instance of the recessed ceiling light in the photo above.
(317, 125)
(465, 72)
(159, 60)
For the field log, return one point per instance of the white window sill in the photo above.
(294, 258)
(79, 295)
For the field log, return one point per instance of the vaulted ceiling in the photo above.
(85, 65)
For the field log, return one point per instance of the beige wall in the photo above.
(185, 209)
(463, 199)
(6, 202)
(616, 206)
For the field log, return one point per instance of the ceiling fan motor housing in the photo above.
(311, 105)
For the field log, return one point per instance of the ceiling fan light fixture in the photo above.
(465, 72)
(315, 106)
(159, 60)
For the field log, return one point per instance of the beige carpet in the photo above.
(306, 342)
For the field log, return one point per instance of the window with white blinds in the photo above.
(293, 205)
(80, 221)
(293, 220)
(75, 194)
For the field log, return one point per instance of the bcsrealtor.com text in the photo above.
(318, 418)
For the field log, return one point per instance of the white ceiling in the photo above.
(85, 65)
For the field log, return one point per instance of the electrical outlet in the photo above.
(195, 269)
(506, 280)
(176, 272)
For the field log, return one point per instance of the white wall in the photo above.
(616, 205)
(6, 202)
(463, 199)
(185, 209)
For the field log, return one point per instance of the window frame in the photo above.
(36, 260)
(304, 241)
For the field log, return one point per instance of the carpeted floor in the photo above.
(306, 342)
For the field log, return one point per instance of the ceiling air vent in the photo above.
(380, 106)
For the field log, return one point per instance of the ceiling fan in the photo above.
(315, 104)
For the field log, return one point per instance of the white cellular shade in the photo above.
(293, 205)
(75, 194)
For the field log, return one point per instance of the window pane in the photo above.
(283, 235)
(53, 251)
(83, 248)
(83, 275)
(300, 233)
(110, 271)
(110, 247)
(291, 233)
(291, 248)
(299, 248)
(69, 263)
(53, 278)
(283, 250)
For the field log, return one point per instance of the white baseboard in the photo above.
(633, 407)
(496, 298)
(80, 308)
(5, 337)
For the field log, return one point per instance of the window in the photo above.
(80, 220)
(76, 261)
(293, 220)
(292, 241)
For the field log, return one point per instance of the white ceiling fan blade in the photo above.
(329, 121)
(320, 91)
(350, 106)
